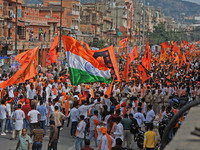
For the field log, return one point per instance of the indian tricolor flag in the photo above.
(82, 66)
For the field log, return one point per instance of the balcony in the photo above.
(75, 12)
(74, 27)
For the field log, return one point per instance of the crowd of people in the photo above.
(113, 121)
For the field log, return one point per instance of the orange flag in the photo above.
(109, 89)
(191, 47)
(86, 45)
(164, 45)
(53, 50)
(185, 43)
(175, 48)
(177, 59)
(146, 60)
(126, 70)
(188, 65)
(107, 56)
(142, 71)
(27, 70)
(133, 54)
(123, 42)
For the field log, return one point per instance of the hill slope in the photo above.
(175, 8)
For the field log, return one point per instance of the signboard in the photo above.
(15, 65)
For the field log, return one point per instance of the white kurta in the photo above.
(119, 132)
(19, 118)
(104, 145)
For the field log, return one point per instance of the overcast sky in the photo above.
(195, 1)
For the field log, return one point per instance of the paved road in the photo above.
(65, 141)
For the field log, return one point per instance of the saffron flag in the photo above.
(133, 54)
(185, 43)
(107, 57)
(27, 70)
(163, 46)
(126, 70)
(53, 50)
(175, 48)
(82, 66)
(123, 42)
(145, 64)
(109, 89)
(146, 60)
(86, 45)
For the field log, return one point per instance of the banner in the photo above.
(15, 65)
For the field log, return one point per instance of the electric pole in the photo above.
(16, 15)
(116, 20)
(60, 48)
(143, 25)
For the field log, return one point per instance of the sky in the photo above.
(195, 1)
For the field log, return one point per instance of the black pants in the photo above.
(150, 148)
(59, 131)
(53, 145)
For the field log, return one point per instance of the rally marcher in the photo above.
(139, 116)
(53, 137)
(57, 117)
(150, 116)
(150, 139)
(19, 117)
(107, 140)
(74, 116)
(87, 145)
(119, 130)
(93, 124)
(26, 108)
(38, 135)
(43, 112)
(80, 133)
(33, 117)
(24, 141)
(3, 113)
(126, 122)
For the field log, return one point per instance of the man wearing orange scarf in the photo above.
(107, 140)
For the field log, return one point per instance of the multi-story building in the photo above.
(96, 22)
(38, 19)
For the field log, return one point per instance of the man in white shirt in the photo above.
(80, 133)
(83, 108)
(74, 115)
(105, 145)
(139, 117)
(119, 131)
(33, 117)
(31, 93)
(3, 113)
(107, 102)
(10, 89)
(19, 117)
(150, 116)
(8, 120)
